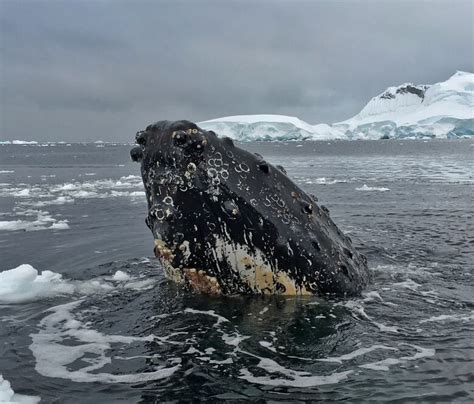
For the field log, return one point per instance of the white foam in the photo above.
(367, 188)
(212, 313)
(8, 396)
(408, 284)
(385, 328)
(91, 346)
(292, 378)
(449, 317)
(356, 353)
(267, 345)
(264, 310)
(6, 171)
(325, 181)
(386, 363)
(357, 309)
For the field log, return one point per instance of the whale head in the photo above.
(226, 221)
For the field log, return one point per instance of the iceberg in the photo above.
(269, 128)
(444, 110)
(24, 142)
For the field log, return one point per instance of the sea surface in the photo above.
(86, 315)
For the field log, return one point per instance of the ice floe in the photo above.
(367, 188)
(8, 396)
(42, 221)
(25, 283)
(40, 195)
(443, 318)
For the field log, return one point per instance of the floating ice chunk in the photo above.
(22, 193)
(367, 188)
(24, 142)
(43, 221)
(8, 396)
(60, 200)
(121, 276)
(24, 283)
(61, 225)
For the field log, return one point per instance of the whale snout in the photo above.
(170, 144)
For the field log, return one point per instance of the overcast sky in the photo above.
(88, 70)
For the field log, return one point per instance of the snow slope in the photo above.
(441, 110)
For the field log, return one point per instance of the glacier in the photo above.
(442, 110)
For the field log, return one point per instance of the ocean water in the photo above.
(86, 315)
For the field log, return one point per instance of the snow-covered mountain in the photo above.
(441, 110)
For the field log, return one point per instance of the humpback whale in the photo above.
(226, 221)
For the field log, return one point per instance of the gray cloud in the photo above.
(86, 70)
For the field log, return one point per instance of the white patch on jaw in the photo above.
(254, 269)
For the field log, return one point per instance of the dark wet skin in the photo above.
(226, 217)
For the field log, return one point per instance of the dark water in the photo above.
(90, 337)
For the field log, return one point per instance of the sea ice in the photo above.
(8, 396)
(367, 188)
